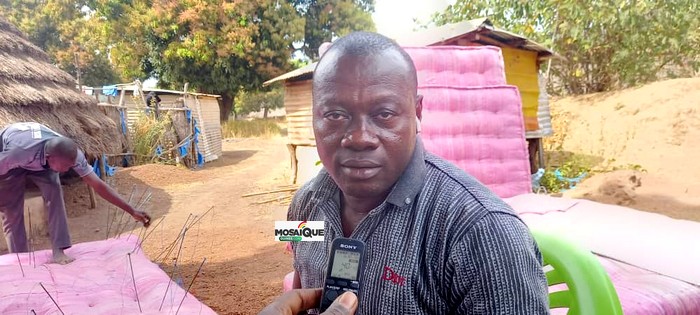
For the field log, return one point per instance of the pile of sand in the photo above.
(655, 128)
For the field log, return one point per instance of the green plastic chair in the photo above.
(590, 291)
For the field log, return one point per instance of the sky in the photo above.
(395, 17)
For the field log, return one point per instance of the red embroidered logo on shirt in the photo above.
(391, 275)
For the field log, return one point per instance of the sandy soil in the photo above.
(653, 128)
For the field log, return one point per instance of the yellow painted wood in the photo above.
(521, 71)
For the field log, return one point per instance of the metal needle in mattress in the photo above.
(182, 240)
(20, 264)
(119, 227)
(32, 256)
(132, 228)
(169, 248)
(54, 301)
(202, 216)
(145, 201)
(109, 214)
(146, 235)
(190, 286)
(133, 279)
(145, 191)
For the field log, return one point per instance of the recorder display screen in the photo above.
(345, 265)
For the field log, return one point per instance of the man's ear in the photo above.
(419, 106)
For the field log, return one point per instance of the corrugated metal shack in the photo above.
(191, 113)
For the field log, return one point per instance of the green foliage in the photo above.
(67, 34)
(324, 20)
(572, 168)
(219, 47)
(607, 44)
(260, 128)
(249, 102)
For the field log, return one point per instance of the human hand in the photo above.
(142, 217)
(300, 300)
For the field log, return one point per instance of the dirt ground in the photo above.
(245, 266)
(654, 129)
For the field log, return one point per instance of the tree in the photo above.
(64, 31)
(250, 102)
(220, 47)
(607, 44)
(326, 19)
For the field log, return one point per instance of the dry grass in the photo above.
(150, 133)
(259, 128)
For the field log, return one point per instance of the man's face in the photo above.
(364, 120)
(59, 164)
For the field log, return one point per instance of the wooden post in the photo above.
(103, 168)
(93, 200)
(540, 153)
(293, 158)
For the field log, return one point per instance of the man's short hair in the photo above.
(368, 44)
(62, 147)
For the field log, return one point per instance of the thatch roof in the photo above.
(33, 89)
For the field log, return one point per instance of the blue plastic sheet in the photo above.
(123, 119)
(188, 114)
(184, 148)
(110, 90)
(109, 170)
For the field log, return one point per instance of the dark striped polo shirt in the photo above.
(441, 243)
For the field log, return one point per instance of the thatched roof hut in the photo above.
(33, 89)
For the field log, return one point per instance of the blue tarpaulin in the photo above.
(110, 170)
(123, 119)
(184, 148)
(110, 90)
(188, 114)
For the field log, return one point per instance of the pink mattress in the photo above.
(98, 282)
(458, 66)
(481, 131)
(653, 272)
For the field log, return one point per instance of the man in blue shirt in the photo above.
(32, 151)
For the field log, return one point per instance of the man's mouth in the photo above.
(360, 169)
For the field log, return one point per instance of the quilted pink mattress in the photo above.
(458, 66)
(481, 131)
(98, 282)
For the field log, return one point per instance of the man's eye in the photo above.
(335, 116)
(385, 115)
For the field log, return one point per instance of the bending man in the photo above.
(35, 152)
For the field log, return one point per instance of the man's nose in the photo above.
(360, 135)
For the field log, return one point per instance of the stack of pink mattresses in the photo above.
(472, 118)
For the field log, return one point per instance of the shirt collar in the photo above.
(403, 193)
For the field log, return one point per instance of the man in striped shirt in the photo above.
(437, 240)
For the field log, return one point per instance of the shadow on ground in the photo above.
(229, 158)
(556, 159)
(660, 204)
(217, 287)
